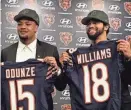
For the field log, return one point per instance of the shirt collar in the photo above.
(31, 46)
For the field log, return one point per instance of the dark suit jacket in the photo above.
(126, 79)
(43, 49)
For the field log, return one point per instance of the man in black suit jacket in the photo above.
(28, 22)
(126, 80)
(42, 50)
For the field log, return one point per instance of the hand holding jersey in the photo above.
(53, 69)
(65, 58)
(124, 47)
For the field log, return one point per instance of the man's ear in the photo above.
(36, 28)
(106, 27)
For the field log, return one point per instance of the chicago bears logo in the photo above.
(127, 6)
(98, 4)
(31, 3)
(78, 21)
(65, 37)
(115, 23)
(65, 4)
(48, 19)
(10, 17)
(66, 107)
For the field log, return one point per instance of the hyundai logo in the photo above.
(114, 7)
(12, 36)
(66, 93)
(82, 39)
(47, 3)
(81, 5)
(128, 24)
(48, 38)
(12, 1)
(65, 21)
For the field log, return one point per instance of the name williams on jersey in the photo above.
(94, 56)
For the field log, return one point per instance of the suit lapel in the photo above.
(12, 53)
(39, 50)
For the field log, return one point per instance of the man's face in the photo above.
(94, 29)
(27, 29)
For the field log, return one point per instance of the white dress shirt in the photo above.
(25, 52)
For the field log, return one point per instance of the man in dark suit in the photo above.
(126, 80)
(30, 47)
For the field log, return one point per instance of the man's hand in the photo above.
(51, 72)
(65, 58)
(50, 60)
(53, 68)
(124, 47)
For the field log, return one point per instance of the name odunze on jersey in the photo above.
(20, 72)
